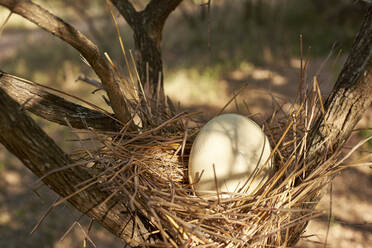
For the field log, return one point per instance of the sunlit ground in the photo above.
(199, 79)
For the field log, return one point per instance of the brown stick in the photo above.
(54, 108)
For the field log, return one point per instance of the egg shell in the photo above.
(237, 148)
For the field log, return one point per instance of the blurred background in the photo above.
(207, 57)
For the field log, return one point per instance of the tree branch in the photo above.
(351, 95)
(52, 107)
(148, 26)
(151, 19)
(157, 11)
(350, 98)
(37, 151)
(127, 10)
(80, 42)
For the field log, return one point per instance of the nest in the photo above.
(148, 168)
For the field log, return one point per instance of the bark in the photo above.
(80, 42)
(345, 106)
(350, 97)
(38, 152)
(148, 26)
(54, 108)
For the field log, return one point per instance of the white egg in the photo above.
(239, 152)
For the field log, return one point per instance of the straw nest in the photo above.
(148, 167)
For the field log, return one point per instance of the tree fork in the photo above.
(148, 26)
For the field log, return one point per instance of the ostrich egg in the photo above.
(229, 155)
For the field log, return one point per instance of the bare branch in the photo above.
(127, 10)
(80, 42)
(152, 17)
(92, 82)
(54, 108)
(148, 26)
(352, 93)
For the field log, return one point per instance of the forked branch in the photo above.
(148, 25)
(127, 10)
(155, 13)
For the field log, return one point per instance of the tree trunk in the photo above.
(148, 27)
(149, 61)
(345, 106)
(38, 152)
(350, 97)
